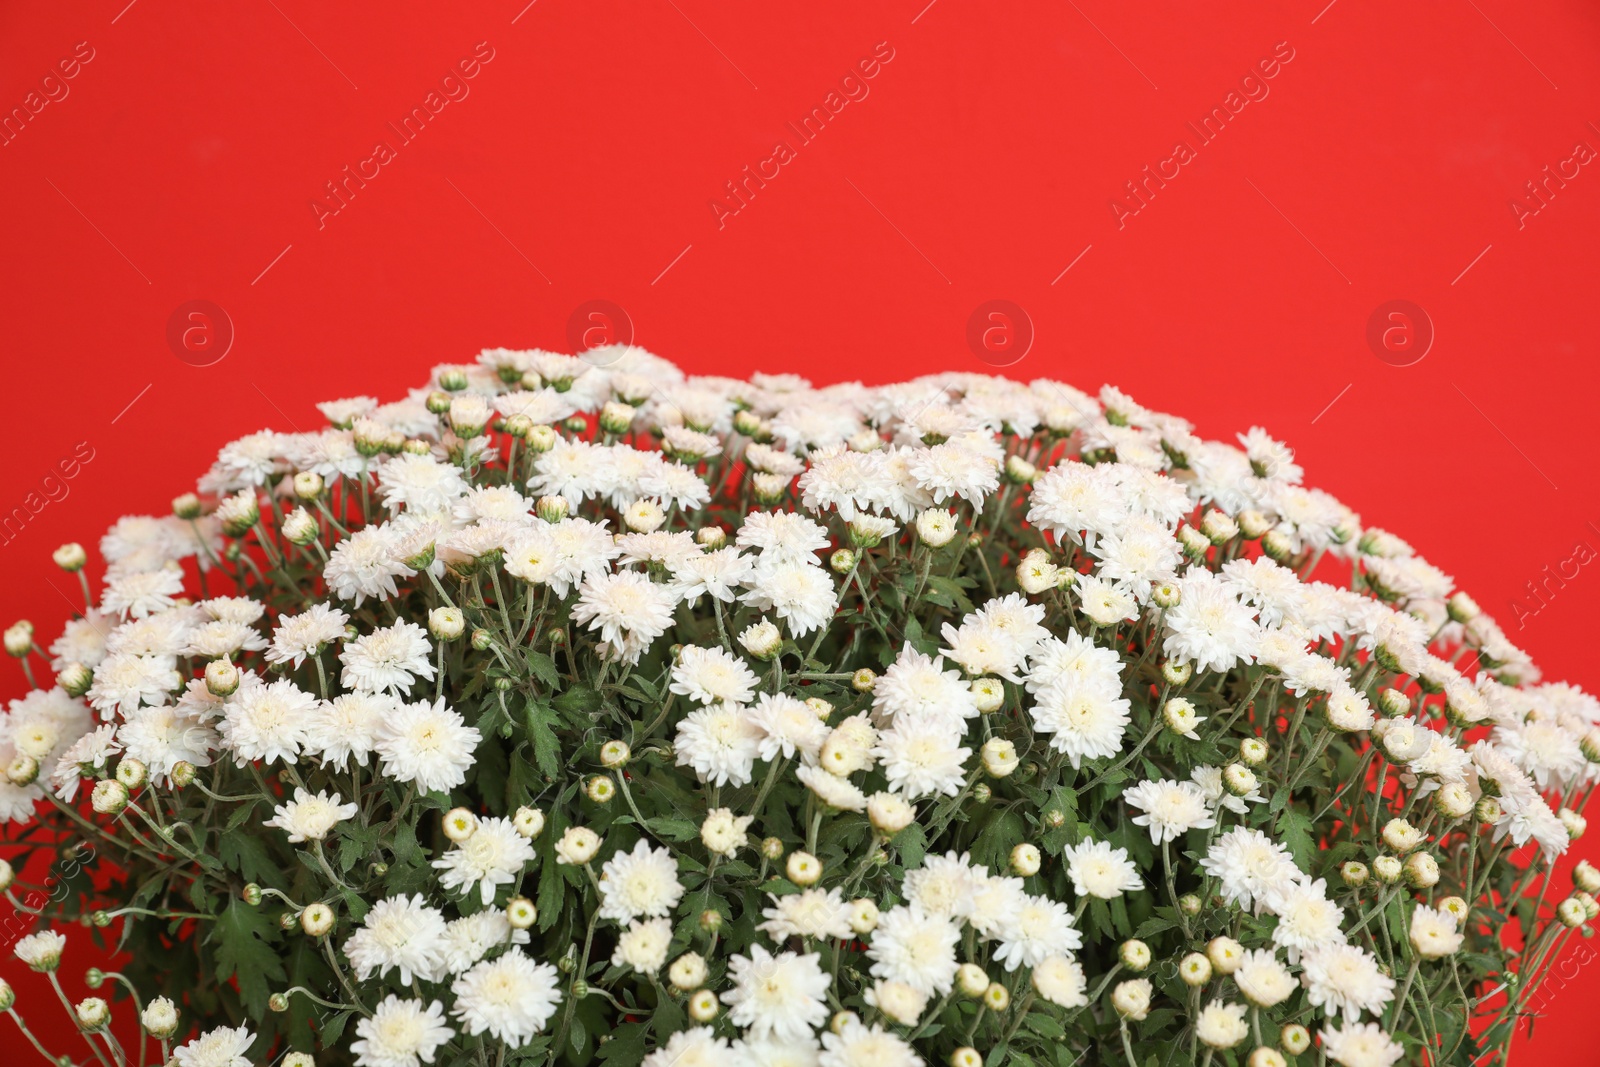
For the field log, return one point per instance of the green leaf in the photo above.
(245, 953)
(579, 700)
(626, 1047)
(671, 829)
(247, 854)
(543, 667)
(333, 1029)
(912, 842)
(541, 721)
(1294, 829)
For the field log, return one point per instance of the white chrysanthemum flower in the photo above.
(694, 1047)
(1084, 718)
(306, 634)
(943, 885)
(493, 856)
(225, 1046)
(1170, 809)
(400, 933)
(137, 594)
(719, 743)
(1345, 979)
(419, 483)
(641, 883)
(310, 817)
(469, 939)
(347, 726)
(788, 725)
(644, 946)
(267, 721)
(1209, 627)
(1221, 1025)
(428, 744)
(1105, 602)
(1253, 871)
(798, 592)
(916, 948)
(1307, 919)
(82, 640)
(400, 1033)
(856, 1045)
(90, 752)
(1041, 928)
(41, 950)
(994, 900)
(1137, 555)
(918, 685)
(123, 682)
(922, 758)
(1061, 981)
(712, 674)
(782, 997)
(837, 793)
(782, 535)
(1099, 870)
(1361, 1045)
(388, 659)
(1209, 779)
(724, 833)
(718, 573)
(1263, 980)
(1433, 932)
(364, 565)
(510, 998)
(820, 914)
(627, 609)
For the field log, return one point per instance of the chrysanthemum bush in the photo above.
(574, 710)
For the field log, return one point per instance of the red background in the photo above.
(983, 162)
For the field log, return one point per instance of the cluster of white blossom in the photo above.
(577, 708)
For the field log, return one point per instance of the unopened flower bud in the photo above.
(1135, 955)
(1195, 544)
(972, 980)
(1401, 836)
(1253, 752)
(1586, 877)
(1266, 1057)
(710, 920)
(1190, 904)
(772, 848)
(23, 770)
(863, 680)
(132, 773)
(997, 997)
(110, 797)
(966, 1056)
(317, 919)
(1453, 800)
(1387, 869)
(1176, 673)
(446, 624)
(1180, 717)
(762, 640)
(1392, 703)
(1576, 824)
(936, 527)
(482, 639)
(1131, 999)
(803, 868)
(600, 789)
(687, 972)
(159, 1018)
(521, 913)
(1025, 860)
(1354, 873)
(1276, 546)
(278, 1002)
(222, 678)
(840, 1020)
(1295, 1039)
(1036, 573)
(1572, 913)
(842, 560)
(703, 1006)
(460, 824)
(1421, 871)
(1195, 970)
(1218, 527)
(186, 507)
(1488, 810)
(889, 813)
(616, 417)
(1239, 780)
(999, 757)
(614, 754)
(1166, 595)
(19, 638)
(863, 916)
(70, 557)
(92, 1013)
(1225, 954)
(981, 794)
(251, 895)
(75, 679)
